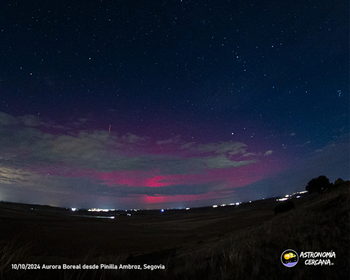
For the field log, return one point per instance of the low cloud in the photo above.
(249, 154)
(222, 161)
(302, 145)
(8, 120)
(230, 147)
(30, 120)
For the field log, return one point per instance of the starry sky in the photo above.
(170, 104)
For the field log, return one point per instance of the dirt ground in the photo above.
(200, 243)
(55, 232)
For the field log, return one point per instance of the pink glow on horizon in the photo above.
(218, 183)
(132, 178)
(230, 177)
(179, 198)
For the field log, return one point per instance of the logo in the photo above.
(289, 258)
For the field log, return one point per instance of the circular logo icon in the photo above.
(289, 258)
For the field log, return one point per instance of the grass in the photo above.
(318, 226)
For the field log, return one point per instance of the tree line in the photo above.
(322, 184)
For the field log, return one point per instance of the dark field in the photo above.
(232, 242)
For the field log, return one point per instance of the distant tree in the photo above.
(319, 184)
(331, 186)
(339, 182)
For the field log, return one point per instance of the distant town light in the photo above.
(74, 209)
(99, 210)
(162, 210)
(215, 206)
(187, 208)
(237, 203)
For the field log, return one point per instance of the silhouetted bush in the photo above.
(319, 184)
(284, 207)
(339, 182)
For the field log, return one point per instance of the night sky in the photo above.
(169, 104)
